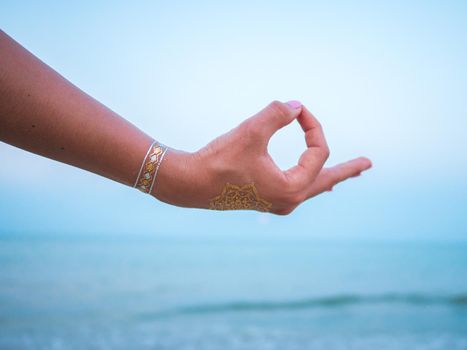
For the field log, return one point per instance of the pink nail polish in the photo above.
(294, 104)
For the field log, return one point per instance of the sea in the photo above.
(219, 292)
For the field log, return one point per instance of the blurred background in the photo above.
(380, 262)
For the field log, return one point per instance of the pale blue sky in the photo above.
(387, 80)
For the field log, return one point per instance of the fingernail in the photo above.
(294, 104)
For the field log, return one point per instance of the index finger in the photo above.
(312, 160)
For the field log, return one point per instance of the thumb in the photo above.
(275, 116)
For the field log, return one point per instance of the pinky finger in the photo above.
(329, 177)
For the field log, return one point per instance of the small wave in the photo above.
(320, 302)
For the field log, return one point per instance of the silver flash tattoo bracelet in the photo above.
(150, 167)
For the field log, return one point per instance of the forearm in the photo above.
(42, 112)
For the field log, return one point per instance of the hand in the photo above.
(235, 171)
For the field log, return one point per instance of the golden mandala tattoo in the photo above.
(235, 197)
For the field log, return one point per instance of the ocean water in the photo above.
(218, 292)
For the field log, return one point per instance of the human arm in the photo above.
(43, 113)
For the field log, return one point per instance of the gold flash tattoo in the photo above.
(235, 197)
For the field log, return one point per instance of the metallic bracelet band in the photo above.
(150, 166)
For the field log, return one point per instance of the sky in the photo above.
(387, 80)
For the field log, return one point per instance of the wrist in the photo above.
(181, 179)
